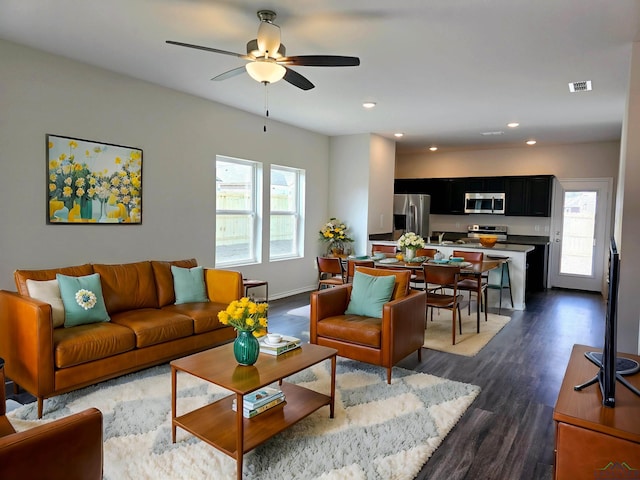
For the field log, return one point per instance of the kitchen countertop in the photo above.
(453, 236)
(504, 247)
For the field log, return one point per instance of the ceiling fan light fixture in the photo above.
(265, 72)
(268, 38)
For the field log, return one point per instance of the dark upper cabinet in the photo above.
(529, 196)
(525, 196)
(408, 185)
(456, 198)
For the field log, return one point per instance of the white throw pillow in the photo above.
(48, 291)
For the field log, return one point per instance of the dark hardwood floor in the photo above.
(508, 431)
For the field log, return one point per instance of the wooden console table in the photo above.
(593, 441)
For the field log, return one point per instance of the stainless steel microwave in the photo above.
(484, 203)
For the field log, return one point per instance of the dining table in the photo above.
(475, 269)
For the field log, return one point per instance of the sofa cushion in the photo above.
(403, 277)
(204, 314)
(369, 293)
(153, 326)
(48, 291)
(85, 343)
(127, 286)
(82, 299)
(164, 278)
(188, 284)
(21, 276)
(352, 329)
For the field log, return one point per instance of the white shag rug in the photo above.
(379, 431)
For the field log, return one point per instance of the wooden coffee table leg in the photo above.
(333, 386)
(173, 405)
(239, 437)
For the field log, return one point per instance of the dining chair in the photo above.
(473, 283)
(330, 272)
(388, 250)
(353, 263)
(417, 282)
(444, 278)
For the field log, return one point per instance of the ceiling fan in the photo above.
(267, 60)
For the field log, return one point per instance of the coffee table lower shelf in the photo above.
(216, 423)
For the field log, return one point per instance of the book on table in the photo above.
(260, 397)
(287, 343)
(249, 413)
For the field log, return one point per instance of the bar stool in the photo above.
(505, 280)
(256, 283)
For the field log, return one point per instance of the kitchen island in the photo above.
(517, 255)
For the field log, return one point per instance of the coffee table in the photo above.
(228, 431)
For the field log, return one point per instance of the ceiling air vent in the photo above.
(584, 86)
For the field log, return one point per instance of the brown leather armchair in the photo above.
(67, 448)
(379, 341)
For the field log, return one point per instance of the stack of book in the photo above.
(259, 401)
(287, 343)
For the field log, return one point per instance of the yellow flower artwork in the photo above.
(93, 182)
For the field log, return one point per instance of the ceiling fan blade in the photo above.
(210, 49)
(297, 80)
(231, 73)
(320, 61)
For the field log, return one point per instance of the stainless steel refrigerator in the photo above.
(411, 214)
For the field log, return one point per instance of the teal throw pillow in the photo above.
(188, 284)
(369, 293)
(82, 299)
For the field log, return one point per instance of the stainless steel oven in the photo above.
(484, 203)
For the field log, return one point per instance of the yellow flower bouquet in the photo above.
(245, 315)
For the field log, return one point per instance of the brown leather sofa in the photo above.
(146, 327)
(69, 448)
(379, 341)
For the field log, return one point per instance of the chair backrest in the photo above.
(426, 252)
(352, 264)
(389, 250)
(445, 275)
(469, 256)
(330, 265)
(403, 277)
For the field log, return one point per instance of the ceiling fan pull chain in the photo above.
(266, 105)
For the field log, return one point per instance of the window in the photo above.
(286, 223)
(238, 204)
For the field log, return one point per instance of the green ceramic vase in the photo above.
(246, 348)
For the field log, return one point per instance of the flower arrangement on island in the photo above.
(245, 315)
(335, 234)
(410, 241)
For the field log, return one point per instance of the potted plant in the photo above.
(335, 234)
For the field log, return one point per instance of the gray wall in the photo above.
(180, 136)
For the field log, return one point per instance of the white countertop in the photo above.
(502, 247)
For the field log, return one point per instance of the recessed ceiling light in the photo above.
(497, 132)
(513, 124)
(433, 149)
(531, 142)
(369, 104)
(398, 135)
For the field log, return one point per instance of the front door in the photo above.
(580, 228)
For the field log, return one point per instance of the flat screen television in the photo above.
(612, 367)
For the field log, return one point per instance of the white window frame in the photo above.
(255, 211)
(297, 213)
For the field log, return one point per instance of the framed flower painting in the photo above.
(92, 182)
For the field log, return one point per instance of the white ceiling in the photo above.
(441, 71)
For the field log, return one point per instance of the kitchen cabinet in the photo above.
(528, 196)
(537, 268)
